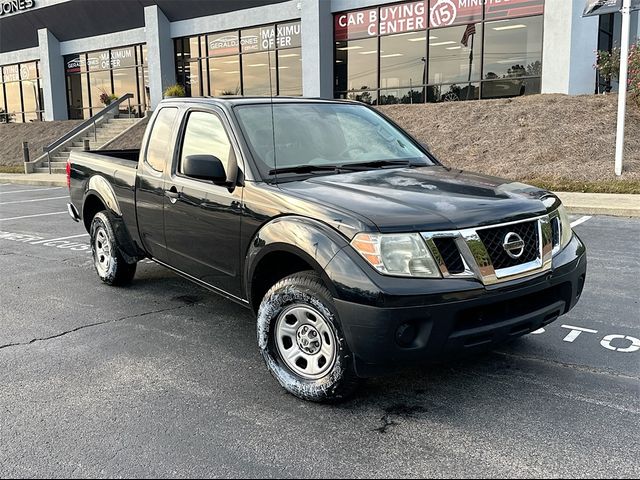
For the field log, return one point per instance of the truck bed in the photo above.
(117, 167)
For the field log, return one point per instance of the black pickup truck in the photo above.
(356, 249)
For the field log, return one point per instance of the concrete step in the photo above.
(56, 164)
(124, 119)
(53, 170)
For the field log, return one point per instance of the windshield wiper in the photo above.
(306, 169)
(376, 164)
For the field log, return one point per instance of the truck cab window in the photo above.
(160, 139)
(205, 135)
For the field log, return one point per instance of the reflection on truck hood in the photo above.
(423, 198)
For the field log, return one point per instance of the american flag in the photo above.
(470, 30)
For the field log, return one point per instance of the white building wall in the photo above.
(569, 45)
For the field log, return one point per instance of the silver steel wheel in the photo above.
(305, 341)
(102, 248)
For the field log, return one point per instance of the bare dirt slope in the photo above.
(38, 134)
(543, 137)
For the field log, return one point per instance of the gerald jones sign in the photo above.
(8, 7)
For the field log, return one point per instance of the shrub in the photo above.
(608, 64)
(175, 91)
(634, 73)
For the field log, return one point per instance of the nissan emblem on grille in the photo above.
(513, 245)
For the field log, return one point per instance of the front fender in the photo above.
(311, 240)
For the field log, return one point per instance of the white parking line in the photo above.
(31, 216)
(33, 200)
(32, 190)
(61, 238)
(580, 221)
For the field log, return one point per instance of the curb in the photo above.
(617, 205)
(18, 179)
(613, 212)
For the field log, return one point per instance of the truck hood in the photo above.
(423, 198)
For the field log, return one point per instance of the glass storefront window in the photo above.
(14, 104)
(453, 93)
(512, 47)
(193, 79)
(445, 50)
(368, 97)
(225, 57)
(20, 93)
(112, 72)
(402, 60)
(402, 95)
(356, 61)
(224, 76)
(256, 68)
(454, 52)
(100, 83)
(290, 72)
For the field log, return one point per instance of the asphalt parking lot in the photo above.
(165, 379)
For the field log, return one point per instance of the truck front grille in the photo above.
(450, 254)
(493, 239)
(488, 253)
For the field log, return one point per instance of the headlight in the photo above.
(562, 231)
(403, 254)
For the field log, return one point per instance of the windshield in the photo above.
(309, 135)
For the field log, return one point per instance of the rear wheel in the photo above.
(301, 340)
(110, 266)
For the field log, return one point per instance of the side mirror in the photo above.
(204, 167)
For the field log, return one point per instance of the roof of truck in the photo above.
(237, 100)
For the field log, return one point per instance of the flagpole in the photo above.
(622, 86)
(470, 65)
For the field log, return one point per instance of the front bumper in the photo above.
(438, 326)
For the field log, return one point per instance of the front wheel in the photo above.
(109, 263)
(301, 340)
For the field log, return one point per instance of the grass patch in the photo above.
(11, 168)
(602, 186)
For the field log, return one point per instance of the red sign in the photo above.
(504, 9)
(445, 13)
(403, 18)
(399, 18)
(412, 16)
(359, 24)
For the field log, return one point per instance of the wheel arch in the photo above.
(99, 193)
(288, 245)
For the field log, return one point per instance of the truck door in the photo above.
(150, 197)
(202, 220)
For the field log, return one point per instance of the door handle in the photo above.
(173, 194)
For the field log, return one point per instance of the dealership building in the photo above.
(59, 59)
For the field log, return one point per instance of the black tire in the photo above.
(110, 266)
(306, 290)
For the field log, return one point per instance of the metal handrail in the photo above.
(85, 125)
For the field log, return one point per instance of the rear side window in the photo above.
(160, 139)
(205, 135)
